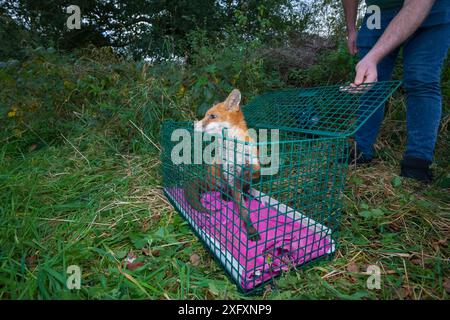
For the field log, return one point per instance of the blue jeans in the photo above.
(423, 56)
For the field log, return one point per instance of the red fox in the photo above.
(239, 165)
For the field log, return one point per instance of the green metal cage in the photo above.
(302, 138)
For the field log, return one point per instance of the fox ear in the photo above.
(233, 100)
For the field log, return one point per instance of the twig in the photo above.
(78, 151)
(74, 221)
(142, 132)
(173, 244)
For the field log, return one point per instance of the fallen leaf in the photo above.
(417, 261)
(135, 265)
(353, 268)
(31, 261)
(156, 253)
(145, 226)
(131, 263)
(195, 259)
(442, 242)
(404, 292)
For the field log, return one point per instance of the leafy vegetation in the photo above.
(145, 28)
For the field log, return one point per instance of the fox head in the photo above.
(223, 115)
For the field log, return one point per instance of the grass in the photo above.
(86, 202)
(80, 185)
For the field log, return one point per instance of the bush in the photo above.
(48, 94)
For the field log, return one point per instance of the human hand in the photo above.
(366, 71)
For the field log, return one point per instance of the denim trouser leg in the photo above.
(367, 134)
(424, 54)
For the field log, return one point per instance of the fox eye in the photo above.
(212, 116)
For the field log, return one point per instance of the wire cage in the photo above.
(302, 140)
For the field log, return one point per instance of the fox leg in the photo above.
(213, 181)
(245, 216)
(193, 190)
(243, 189)
(249, 174)
(220, 185)
(225, 192)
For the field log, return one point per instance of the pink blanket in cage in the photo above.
(283, 242)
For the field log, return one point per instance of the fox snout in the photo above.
(211, 127)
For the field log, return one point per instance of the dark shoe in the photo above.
(416, 168)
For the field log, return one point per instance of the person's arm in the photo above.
(405, 23)
(350, 13)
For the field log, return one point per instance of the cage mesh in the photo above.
(295, 203)
(332, 110)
